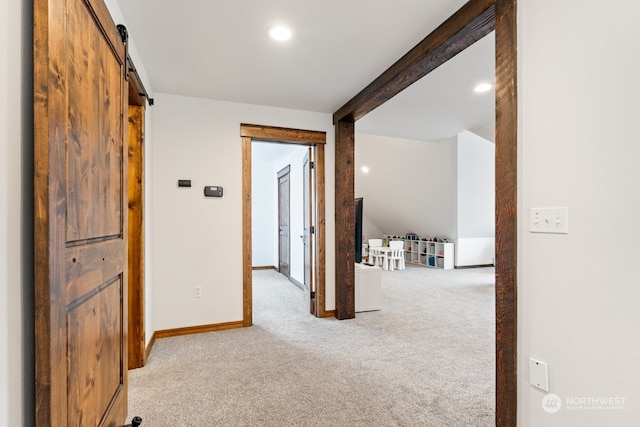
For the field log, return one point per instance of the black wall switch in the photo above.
(184, 183)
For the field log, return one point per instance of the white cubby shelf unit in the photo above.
(425, 252)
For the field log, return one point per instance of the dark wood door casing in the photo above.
(307, 235)
(137, 341)
(317, 140)
(80, 215)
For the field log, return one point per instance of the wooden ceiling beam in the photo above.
(469, 24)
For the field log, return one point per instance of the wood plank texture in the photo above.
(247, 292)
(308, 208)
(279, 134)
(506, 214)
(199, 329)
(85, 266)
(94, 137)
(468, 25)
(100, 13)
(80, 227)
(95, 341)
(136, 236)
(321, 229)
(344, 217)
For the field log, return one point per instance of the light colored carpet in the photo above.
(426, 359)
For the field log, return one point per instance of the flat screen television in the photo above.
(358, 235)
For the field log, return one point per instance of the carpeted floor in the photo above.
(426, 359)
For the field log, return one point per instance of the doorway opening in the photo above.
(470, 23)
(315, 140)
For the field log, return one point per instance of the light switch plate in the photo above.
(549, 220)
(538, 374)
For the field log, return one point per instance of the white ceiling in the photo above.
(220, 50)
(443, 103)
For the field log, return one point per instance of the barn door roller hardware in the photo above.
(131, 69)
(135, 422)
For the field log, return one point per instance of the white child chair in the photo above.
(375, 257)
(395, 257)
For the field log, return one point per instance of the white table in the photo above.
(384, 251)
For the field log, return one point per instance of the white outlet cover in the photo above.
(538, 374)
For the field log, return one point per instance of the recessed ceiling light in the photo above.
(483, 87)
(365, 169)
(279, 33)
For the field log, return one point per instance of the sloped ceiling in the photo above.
(411, 186)
(443, 104)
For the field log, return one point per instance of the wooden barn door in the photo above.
(80, 112)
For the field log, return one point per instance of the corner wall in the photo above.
(264, 210)
(475, 197)
(579, 103)
(198, 240)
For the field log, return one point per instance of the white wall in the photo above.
(148, 223)
(16, 215)
(578, 293)
(264, 211)
(475, 197)
(410, 187)
(475, 186)
(198, 240)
